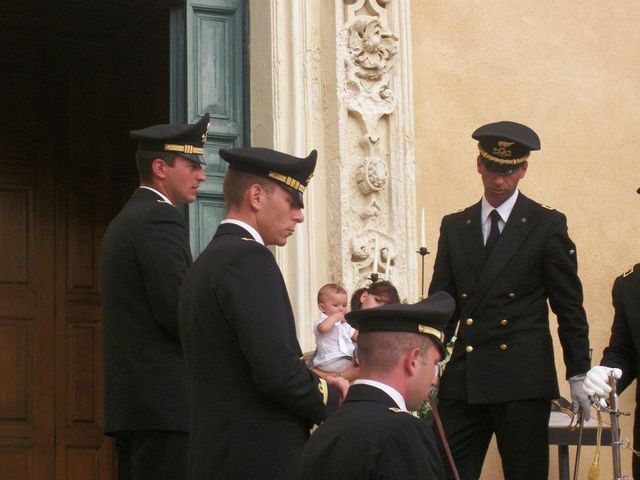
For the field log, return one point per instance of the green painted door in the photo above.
(208, 75)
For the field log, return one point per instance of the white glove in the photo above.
(597, 381)
(579, 397)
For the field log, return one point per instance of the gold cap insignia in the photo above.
(501, 149)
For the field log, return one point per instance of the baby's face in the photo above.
(334, 303)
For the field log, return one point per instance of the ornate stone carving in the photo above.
(373, 175)
(370, 49)
(372, 252)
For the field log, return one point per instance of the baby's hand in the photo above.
(337, 317)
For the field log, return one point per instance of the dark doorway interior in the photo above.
(75, 77)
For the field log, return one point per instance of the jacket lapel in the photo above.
(513, 235)
(472, 241)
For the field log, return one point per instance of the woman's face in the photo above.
(369, 300)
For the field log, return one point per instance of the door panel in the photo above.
(215, 83)
(26, 280)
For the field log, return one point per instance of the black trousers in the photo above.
(152, 455)
(522, 434)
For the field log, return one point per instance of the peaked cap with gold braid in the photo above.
(427, 317)
(291, 173)
(504, 146)
(186, 140)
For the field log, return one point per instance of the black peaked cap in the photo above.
(291, 173)
(504, 146)
(428, 317)
(184, 139)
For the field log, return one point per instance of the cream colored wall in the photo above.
(571, 71)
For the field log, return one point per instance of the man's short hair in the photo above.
(329, 288)
(380, 351)
(236, 182)
(144, 159)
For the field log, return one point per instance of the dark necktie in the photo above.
(494, 233)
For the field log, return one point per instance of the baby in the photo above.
(334, 336)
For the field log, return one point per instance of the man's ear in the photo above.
(411, 360)
(159, 168)
(255, 196)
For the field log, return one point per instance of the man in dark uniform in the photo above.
(373, 436)
(253, 399)
(145, 254)
(502, 259)
(621, 356)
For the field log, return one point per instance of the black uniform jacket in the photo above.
(504, 350)
(253, 398)
(145, 254)
(624, 346)
(369, 438)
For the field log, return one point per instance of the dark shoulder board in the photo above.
(397, 410)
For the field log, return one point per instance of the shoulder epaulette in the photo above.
(461, 210)
(247, 239)
(163, 201)
(324, 390)
(397, 410)
(547, 207)
(628, 272)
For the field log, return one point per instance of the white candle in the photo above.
(423, 231)
(387, 268)
(375, 256)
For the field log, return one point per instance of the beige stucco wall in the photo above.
(571, 71)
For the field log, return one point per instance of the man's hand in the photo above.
(597, 381)
(579, 398)
(340, 384)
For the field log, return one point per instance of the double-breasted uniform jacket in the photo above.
(145, 254)
(623, 351)
(504, 350)
(253, 398)
(370, 438)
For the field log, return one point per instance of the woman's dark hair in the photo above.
(383, 289)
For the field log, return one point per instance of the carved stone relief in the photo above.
(369, 51)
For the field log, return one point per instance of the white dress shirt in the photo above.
(504, 211)
(392, 392)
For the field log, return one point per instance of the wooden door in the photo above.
(82, 211)
(75, 77)
(66, 168)
(26, 277)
